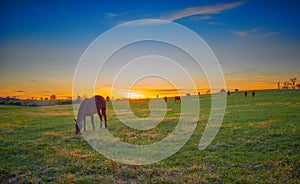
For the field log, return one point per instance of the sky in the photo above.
(257, 43)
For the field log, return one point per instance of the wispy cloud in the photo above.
(19, 91)
(255, 33)
(144, 22)
(111, 15)
(195, 14)
(202, 10)
(247, 71)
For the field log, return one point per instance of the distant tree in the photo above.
(236, 90)
(41, 98)
(222, 91)
(293, 80)
(78, 98)
(52, 97)
(46, 98)
(286, 85)
(107, 99)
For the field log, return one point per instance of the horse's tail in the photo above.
(103, 112)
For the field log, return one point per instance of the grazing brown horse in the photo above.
(89, 107)
(177, 98)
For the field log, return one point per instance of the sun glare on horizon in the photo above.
(135, 95)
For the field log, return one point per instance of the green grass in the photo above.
(259, 142)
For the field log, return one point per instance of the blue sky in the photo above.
(256, 42)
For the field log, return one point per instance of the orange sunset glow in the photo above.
(148, 88)
(40, 51)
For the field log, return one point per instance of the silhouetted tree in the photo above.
(293, 80)
(286, 85)
(52, 97)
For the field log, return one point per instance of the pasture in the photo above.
(258, 142)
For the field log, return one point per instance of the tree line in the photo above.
(291, 84)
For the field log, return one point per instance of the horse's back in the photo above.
(100, 102)
(88, 107)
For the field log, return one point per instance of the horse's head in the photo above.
(78, 126)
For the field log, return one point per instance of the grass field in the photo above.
(258, 142)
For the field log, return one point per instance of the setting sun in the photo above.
(134, 95)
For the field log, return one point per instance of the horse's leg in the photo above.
(84, 124)
(100, 117)
(92, 119)
(104, 114)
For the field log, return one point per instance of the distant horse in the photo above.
(165, 99)
(89, 107)
(177, 98)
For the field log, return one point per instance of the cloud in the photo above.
(111, 15)
(203, 10)
(20, 91)
(247, 71)
(195, 14)
(143, 22)
(255, 33)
